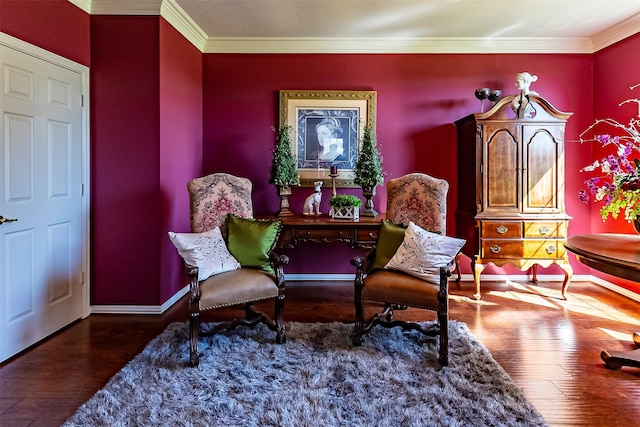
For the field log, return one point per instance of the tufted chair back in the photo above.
(214, 196)
(419, 198)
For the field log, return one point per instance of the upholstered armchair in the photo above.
(412, 262)
(229, 258)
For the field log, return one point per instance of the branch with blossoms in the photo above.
(617, 187)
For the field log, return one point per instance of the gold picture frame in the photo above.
(327, 128)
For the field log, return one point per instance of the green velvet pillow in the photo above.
(389, 240)
(251, 240)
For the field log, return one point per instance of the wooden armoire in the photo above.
(511, 206)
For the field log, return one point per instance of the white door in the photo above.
(41, 186)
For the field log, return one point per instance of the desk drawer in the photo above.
(325, 235)
(286, 238)
(368, 236)
(502, 229)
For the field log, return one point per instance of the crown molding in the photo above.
(82, 4)
(182, 22)
(398, 45)
(621, 31)
(119, 7)
(186, 26)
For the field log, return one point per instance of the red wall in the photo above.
(616, 69)
(180, 144)
(125, 159)
(162, 113)
(55, 25)
(419, 98)
(147, 143)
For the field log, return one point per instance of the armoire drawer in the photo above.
(543, 249)
(496, 248)
(545, 229)
(528, 248)
(502, 229)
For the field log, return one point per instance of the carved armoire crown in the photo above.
(511, 206)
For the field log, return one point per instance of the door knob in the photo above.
(3, 219)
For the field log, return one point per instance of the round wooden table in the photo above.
(618, 255)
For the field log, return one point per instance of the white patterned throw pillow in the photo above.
(206, 250)
(422, 253)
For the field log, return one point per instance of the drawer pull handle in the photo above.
(501, 229)
(495, 249)
(551, 249)
(544, 230)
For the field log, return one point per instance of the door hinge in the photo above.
(82, 100)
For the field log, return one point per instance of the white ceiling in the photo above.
(483, 26)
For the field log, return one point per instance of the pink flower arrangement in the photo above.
(616, 184)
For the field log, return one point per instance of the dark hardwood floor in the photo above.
(550, 347)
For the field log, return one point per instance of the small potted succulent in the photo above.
(368, 171)
(345, 206)
(283, 169)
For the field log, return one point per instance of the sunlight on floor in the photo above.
(460, 298)
(551, 298)
(622, 336)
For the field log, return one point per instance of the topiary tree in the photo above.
(368, 171)
(283, 168)
(283, 165)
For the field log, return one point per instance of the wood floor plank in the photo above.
(550, 347)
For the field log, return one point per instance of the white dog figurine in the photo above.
(312, 203)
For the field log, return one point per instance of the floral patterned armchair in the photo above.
(239, 256)
(422, 199)
(412, 260)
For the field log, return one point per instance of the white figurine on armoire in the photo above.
(520, 104)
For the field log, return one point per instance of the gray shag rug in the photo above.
(316, 379)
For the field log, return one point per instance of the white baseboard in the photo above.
(139, 309)
(293, 278)
(615, 288)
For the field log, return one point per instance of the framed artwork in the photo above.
(327, 131)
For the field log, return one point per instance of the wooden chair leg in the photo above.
(194, 331)
(443, 351)
(279, 320)
(357, 333)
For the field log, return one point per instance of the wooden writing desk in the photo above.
(618, 255)
(299, 228)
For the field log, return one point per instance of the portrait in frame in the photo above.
(327, 128)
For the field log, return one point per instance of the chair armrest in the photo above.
(278, 262)
(191, 270)
(194, 285)
(364, 261)
(445, 273)
(361, 263)
(277, 259)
